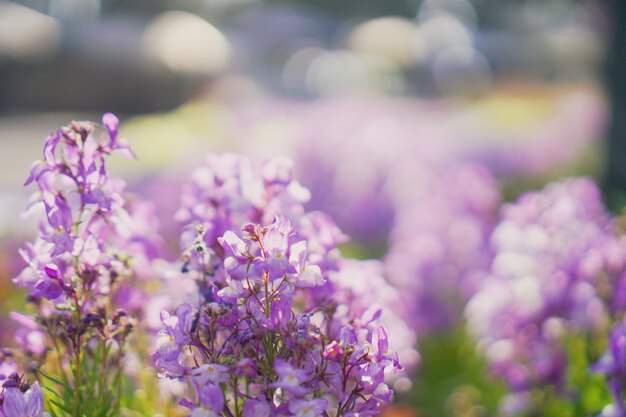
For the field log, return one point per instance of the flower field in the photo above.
(360, 269)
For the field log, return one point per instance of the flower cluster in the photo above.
(82, 204)
(225, 192)
(88, 249)
(262, 315)
(276, 331)
(556, 264)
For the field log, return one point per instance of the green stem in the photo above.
(236, 396)
(77, 374)
(267, 296)
(77, 398)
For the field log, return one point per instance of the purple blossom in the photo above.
(210, 373)
(553, 252)
(371, 299)
(23, 404)
(307, 408)
(289, 378)
(7, 367)
(613, 365)
(80, 203)
(92, 249)
(246, 367)
(29, 336)
(275, 295)
(256, 407)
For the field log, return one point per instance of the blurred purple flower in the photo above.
(24, 404)
(554, 251)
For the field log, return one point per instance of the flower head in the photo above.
(280, 322)
(23, 401)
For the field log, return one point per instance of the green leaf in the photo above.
(61, 406)
(56, 381)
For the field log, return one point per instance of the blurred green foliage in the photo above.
(452, 380)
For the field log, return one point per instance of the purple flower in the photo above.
(333, 351)
(289, 378)
(82, 205)
(29, 335)
(613, 365)
(276, 248)
(47, 289)
(613, 362)
(307, 408)
(210, 373)
(211, 400)
(554, 252)
(111, 123)
(246, 367)
(24, 404)
(256, 407)
(91, 248)
(440, 243)
(7, 367)
(49, 146)
(282, 316)
(174, 336)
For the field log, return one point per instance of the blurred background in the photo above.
(377, 101)
(517, 85)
